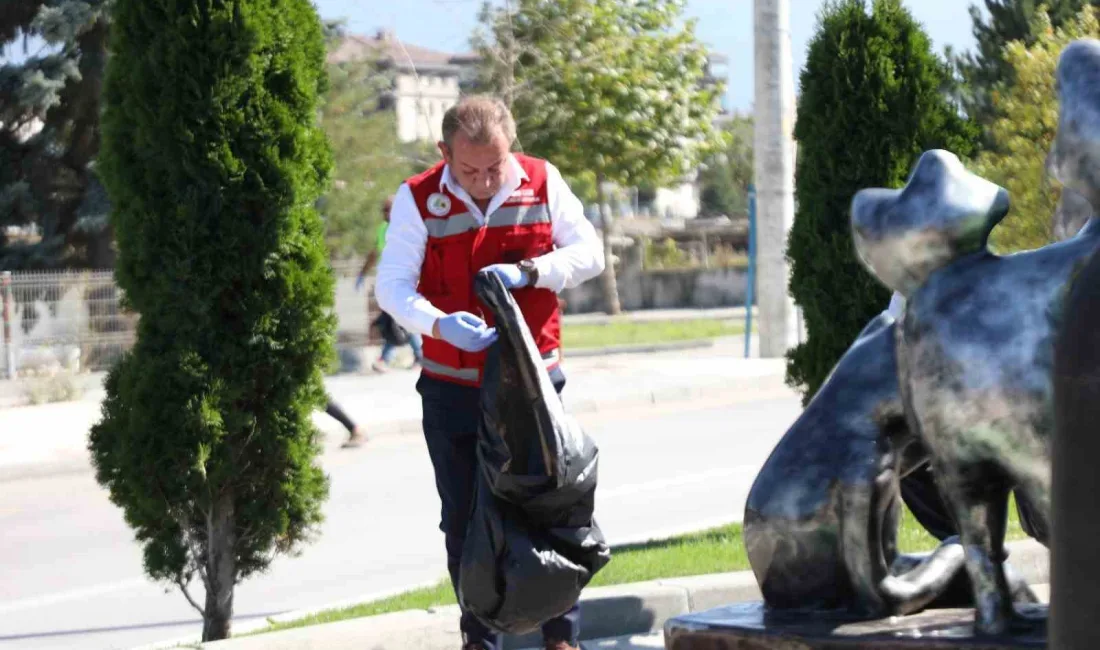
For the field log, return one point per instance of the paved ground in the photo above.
(52, 437)
(90, 385)
(71, 575)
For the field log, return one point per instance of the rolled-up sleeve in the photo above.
(399, 267)
(579, 254)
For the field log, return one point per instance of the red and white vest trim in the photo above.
(458, 247)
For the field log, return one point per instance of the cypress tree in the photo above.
(871, 101)
(213, 160)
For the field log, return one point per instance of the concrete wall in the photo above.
(698, 288)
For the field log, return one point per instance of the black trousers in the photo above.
(450, 429)
(335, 412)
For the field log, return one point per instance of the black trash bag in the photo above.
(532, 544)
(515, 576)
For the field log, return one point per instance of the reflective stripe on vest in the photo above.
(550, 358)
(521, 215)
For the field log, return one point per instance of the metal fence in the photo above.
(74, 321)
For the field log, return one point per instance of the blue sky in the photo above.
(725, 25)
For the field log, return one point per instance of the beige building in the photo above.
(425, 82)
(428, 82)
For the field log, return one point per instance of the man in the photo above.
(481, 207)
(389, 347)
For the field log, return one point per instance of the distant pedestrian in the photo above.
(393, 335)
(357, 437)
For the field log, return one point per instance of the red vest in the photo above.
(458, 247)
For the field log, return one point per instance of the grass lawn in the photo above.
(714, 551)
(642, 333)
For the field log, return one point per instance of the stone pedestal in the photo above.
(749, 626)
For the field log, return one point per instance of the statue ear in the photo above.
(944, 212)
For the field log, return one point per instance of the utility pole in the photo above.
(774, 173)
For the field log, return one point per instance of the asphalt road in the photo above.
(71, 573)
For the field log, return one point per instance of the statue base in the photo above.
(750, 626)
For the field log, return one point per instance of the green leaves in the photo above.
(370, 162)
(727, 173)
(615, 88)
(1023, 132)
(213, 159)
(871, 101)
(49, 109)
(988, 69)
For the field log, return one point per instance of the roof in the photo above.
(387, 48)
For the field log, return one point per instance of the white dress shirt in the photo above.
(897, 305)
(578, 254)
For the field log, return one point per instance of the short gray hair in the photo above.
(478, 116)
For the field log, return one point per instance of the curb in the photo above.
(607, 612)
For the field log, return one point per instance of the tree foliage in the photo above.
(50, 86)
(614, 88)
(871, 103)
(1024, 129)
(370, 162)
(604, 86)
(727, 173)
(213, 159)
(983, 72)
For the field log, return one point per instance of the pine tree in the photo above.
(213, 159)
(1023, 134)
(49, 133)
(984, 71)
(871, 102)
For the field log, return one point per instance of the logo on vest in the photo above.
(525, 196)
(439, 204)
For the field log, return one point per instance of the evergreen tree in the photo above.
(726, 174)
(214, 160)
(871, 102)
(49, 133)
(614, 88)
(1023, 133)
(984, 71)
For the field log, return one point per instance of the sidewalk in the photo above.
(90, 386)
(621, 617)
(51, 438)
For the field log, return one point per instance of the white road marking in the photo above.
(74, 594)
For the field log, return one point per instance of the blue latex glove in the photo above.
(511, 275)
(359, 282)
(466, 331)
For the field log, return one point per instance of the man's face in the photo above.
(479, 168)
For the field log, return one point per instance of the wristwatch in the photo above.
(532, 271)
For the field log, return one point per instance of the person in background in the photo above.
(391, 338)
(481, 207)
(356, 436)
